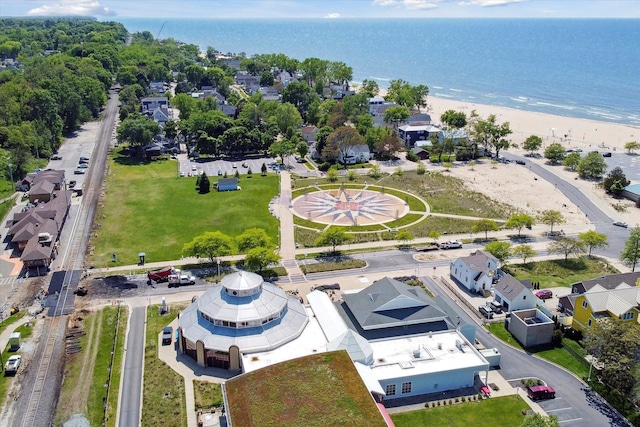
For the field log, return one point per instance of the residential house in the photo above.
(421, 153)
(530, 327)
(355, 154)
(598, 303)
(152, 102)
(158, 87)
(159, 115)
(249, 81)
(476, 271)
(513, 294)
(309, 133)
(566, 303)
(229, 110)
(631, 192)
(419, 119)
(417, 135)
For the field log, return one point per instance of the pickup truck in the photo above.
(453, 244)
(181, 279)
(12, 365)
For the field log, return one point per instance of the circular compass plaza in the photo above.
(349, 207)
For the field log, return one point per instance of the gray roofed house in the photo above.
(390, 308)
(611, 281)
(513, 295)
(476, 271)
(152, 102)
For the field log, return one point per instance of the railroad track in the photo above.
(42, 390)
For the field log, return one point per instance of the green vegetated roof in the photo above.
(319, 390)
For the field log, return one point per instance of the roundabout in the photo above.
(349, 207)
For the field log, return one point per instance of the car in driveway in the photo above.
(12, 365)
(167, 335)
(544, 294)
(621, 224)
(486, 311)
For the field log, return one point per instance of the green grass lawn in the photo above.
(163, 397)
(554, 273)
(496, 411)
(147, 208)
(207, 395)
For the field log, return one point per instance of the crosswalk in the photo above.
(294, 274)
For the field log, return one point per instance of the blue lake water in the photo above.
(576, 68)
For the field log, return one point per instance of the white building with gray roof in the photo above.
(476, 271)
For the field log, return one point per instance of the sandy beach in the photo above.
(571, 132)
(517, 185)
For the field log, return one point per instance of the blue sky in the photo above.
(103, 9)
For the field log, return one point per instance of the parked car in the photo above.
(521, 162)
(83, 161)
(234, 166)
(453, 244)
(72, 183)
(82, 158)
(607, 154)
(486, 311)
(12, 365)
(83, 166)
(496, 307)
(56, 157)
(193, 167)
(544, 294)
(219, 172)
(79, 172)
(167, 335)
(621, 224)
(541, 392)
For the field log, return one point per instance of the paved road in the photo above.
(574, 406)
(129, 408)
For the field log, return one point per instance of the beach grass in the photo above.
(207, 395)
(561, 273)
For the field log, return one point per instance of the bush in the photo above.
(411, 156)
(323, 167)
(556, 338)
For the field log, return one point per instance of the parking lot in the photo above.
(213, 167)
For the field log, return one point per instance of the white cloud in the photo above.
(332, 15)
(489, 3)
(385, 3)
(419, 5)
(72, 8)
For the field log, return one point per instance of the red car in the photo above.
(544, 294)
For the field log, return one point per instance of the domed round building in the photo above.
(244, 314)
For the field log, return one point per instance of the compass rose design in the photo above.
(349, 207)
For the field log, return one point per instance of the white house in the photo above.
(355, 154)
(476, 271)
(513, 295)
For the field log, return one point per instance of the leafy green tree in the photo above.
(300, 95)
(253, 238)
(615, 181)
(334, 236)
(435, 235)
(389, 146)
(343, 139)
(631, 146)
(491, 134)
(259, 258)
(484, 226)
(532, 143)
(592, 166)
(615, 343)
(137, 130)
(551, 218)
(555, 153)
(395, 115)
(454, 119)
(213, 244)
(537, 420)
(524, 251)
(500, 250)
(572, 161)
(302, 148)
(593, 240)
(566, 246)
(405, 237)
(370, 88)
(631, 253)
(282, 148)
(375, 171)
(519, 221)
